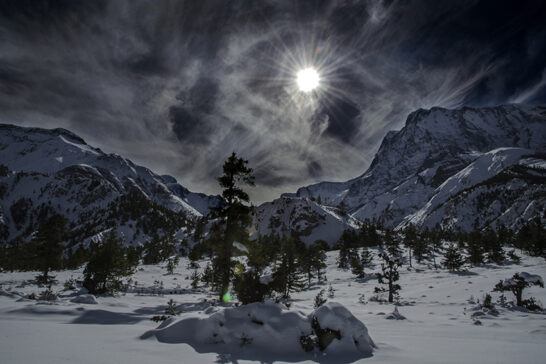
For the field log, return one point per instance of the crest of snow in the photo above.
(83, 147)
(527, 277)
(531, 278)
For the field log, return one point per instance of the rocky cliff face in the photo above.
(412, 165)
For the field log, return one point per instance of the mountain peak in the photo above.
(433, 145)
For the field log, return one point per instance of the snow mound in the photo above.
(525, 277)
(7, 294)
(531, 278)
(268, 331)
(88, 299)
(353, 334)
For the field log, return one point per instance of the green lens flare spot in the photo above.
(226, 297)
(239, 269)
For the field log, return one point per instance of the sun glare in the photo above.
(307, 79)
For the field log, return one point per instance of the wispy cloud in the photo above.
(179, 85)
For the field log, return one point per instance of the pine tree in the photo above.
(369, 234)
(234, 216)
(435, 243)
(195, 277)
(347, 240)
(319, 262)
(357, 266)
(48, 245)
(493, 246)
(249, 287)
(420, 246)
(532, 237)
(392, 244)
(287, 274)
(248, 284)
(172, 263)
(207, 276)
(474, 248)
(343, 257)
(319, 299)
(108, 263)
(313, 260)
(331, 291)
(389, 275)
(453, 259)
(366, 257)
(517, 284)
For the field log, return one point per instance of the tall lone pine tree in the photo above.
(234, 218)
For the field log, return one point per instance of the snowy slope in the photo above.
(510, 197)
(439, 306)
(433, 146)
(57, 171)
(305, 218)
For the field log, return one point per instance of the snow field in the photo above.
(439, 325)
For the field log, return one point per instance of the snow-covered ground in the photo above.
(439, 327)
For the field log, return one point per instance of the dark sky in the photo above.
(178, 85)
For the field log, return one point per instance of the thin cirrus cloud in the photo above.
(178, 85)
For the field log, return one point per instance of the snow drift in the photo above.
(261, 330)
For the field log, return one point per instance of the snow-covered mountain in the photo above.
(441, 160)
(303, 218)
(55, 171)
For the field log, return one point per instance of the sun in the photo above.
(307, 79)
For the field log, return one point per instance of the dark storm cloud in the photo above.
(179, 85)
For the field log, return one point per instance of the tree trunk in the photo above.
(518, 293)
(391, 298)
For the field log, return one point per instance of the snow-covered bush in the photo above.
(47, 295)
(70, 284)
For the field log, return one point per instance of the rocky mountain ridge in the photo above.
(56, 171)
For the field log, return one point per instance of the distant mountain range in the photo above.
(462, 169)
(56, 171)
